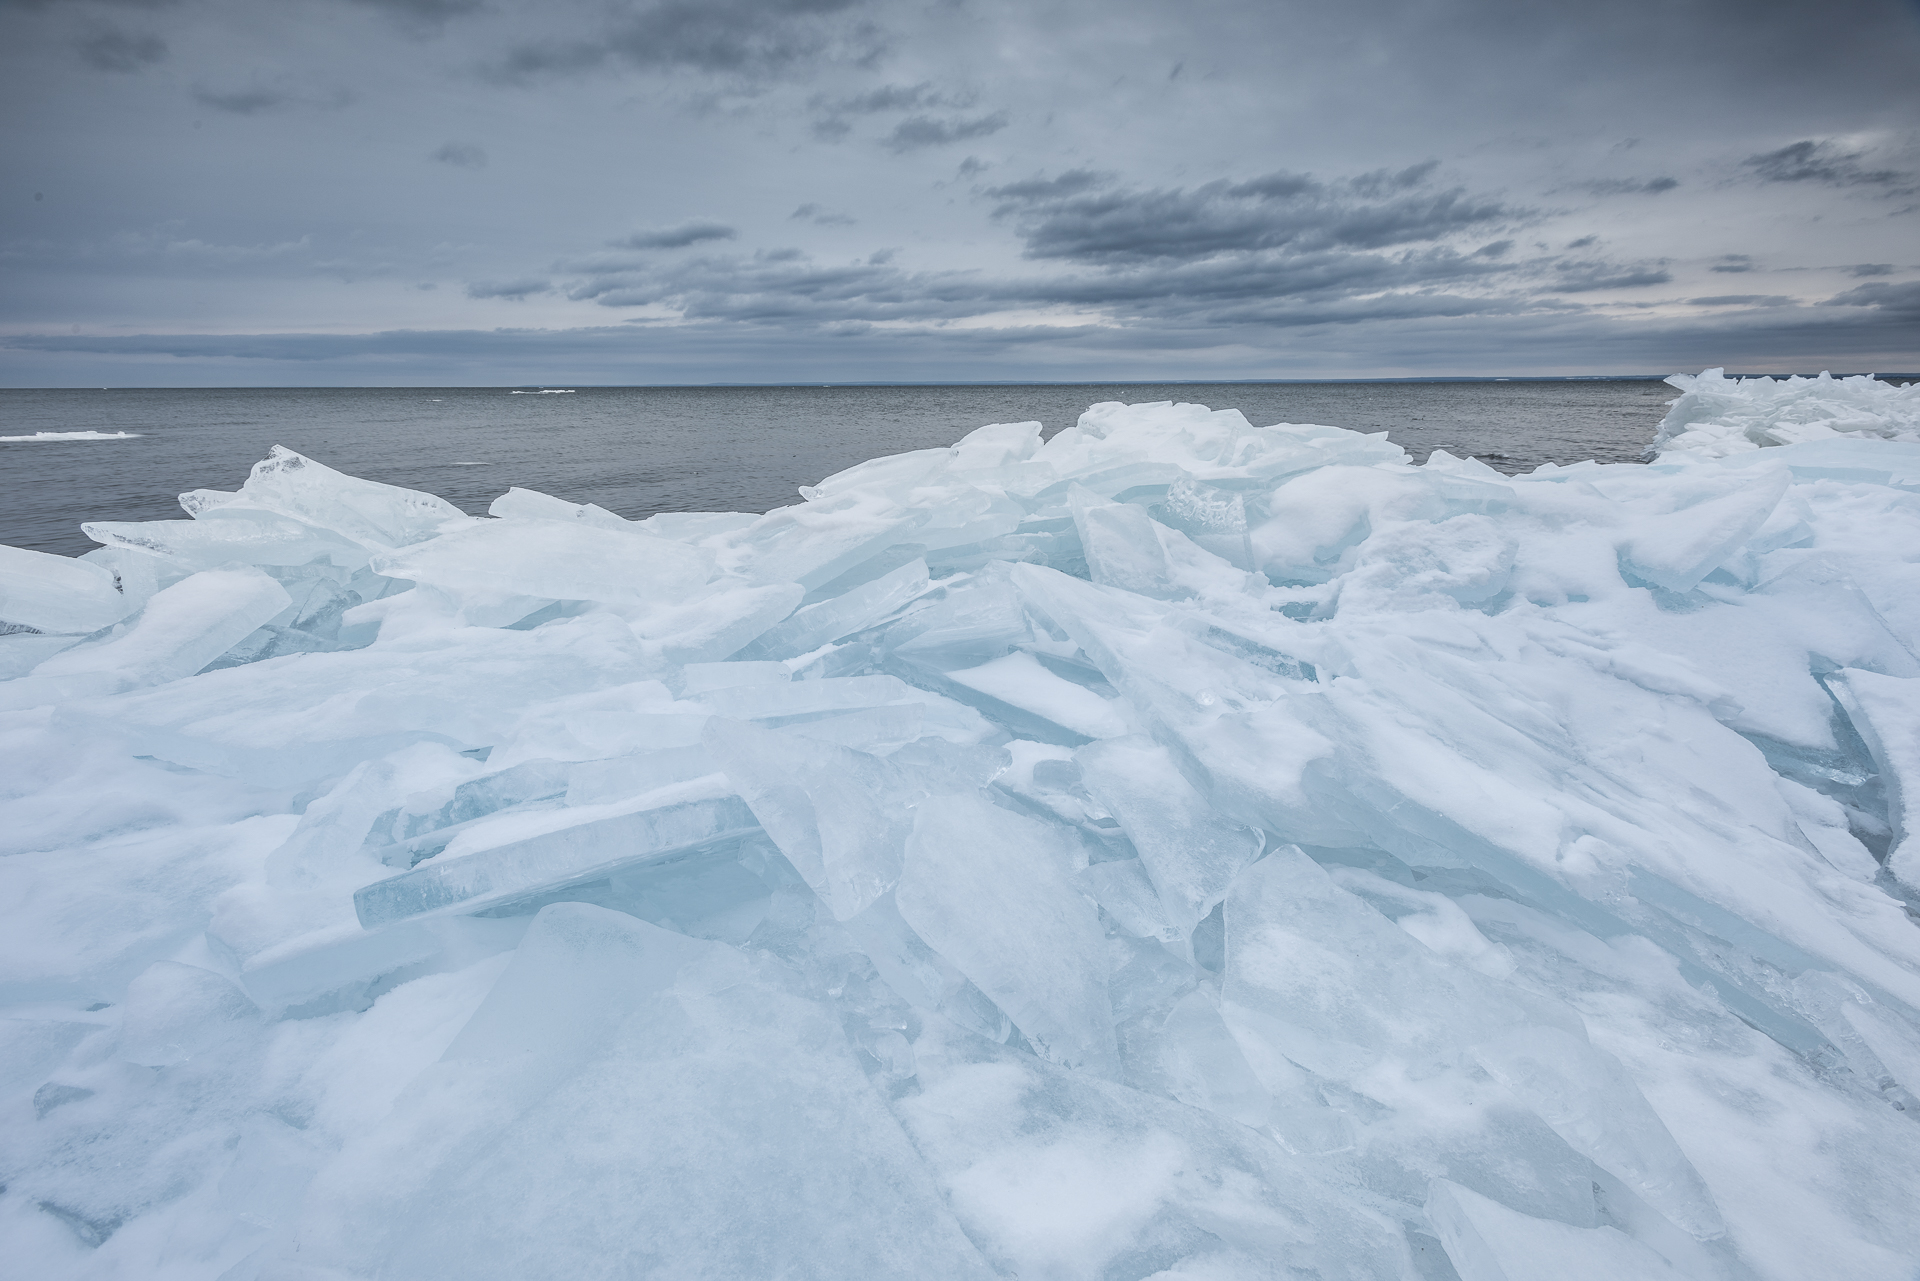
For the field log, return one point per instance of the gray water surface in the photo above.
(640, 450)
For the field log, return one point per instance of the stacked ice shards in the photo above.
(1719, 416)
(1177, 849)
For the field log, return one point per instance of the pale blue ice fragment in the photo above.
(582, 851)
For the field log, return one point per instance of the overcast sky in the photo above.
(206, 192)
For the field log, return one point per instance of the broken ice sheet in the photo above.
(1178, 848)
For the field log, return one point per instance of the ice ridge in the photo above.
(1717, 416)
(1176, 848)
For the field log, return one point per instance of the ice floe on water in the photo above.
(71, 435)
(1179, 848)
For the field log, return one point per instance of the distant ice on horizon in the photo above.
(71, 435)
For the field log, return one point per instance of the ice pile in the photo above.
(1717, 416)
(1177, 849)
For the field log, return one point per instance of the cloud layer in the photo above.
(359, 188)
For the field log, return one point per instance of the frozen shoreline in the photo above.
(1180, 847)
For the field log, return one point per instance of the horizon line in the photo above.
(857, 383)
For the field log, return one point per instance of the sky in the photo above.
(457, 192)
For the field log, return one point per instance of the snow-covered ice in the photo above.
(1175, 849)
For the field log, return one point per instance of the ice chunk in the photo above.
(1678, 550)
(807, 698)
(1125, 892)
(1189, 852)
(1128, 549)
(55, 594)
(920, 975)
(1412, 565)
(551, 560)
(1335, 986)
(362, 511)
(1214, 518)
(1883, 1048)
(1486, 1241)
(1886, 712)
(700, 678)
(976, 620)
(1059, 1174)
(852, 611)
(840, 816)
(284, 722)
(1717, 416)
(531, 504)
(712, 624)
(995, 445)
(818, 541)
(565, 848)
(1203, 1065)
(992, 892)
(180, 631)
(1020, 680)
(695, 527)
(1591, 1102)
(21, 652)
(625, 1092)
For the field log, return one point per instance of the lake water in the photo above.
(640, 450)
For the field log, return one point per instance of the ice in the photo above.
(1486, 1241)
(1717, 416)
(75, 435)
(1175, 847)
(1191, 855)
(175, 1011)
(487, 868)
(840, 816)
(45, 593)
(991, 891)
(1020, 680)
(626, 1093)
(842, 615)
(1885, 710)
(178, 632)
(1589, 1100)
(363, 511)
(547, 560)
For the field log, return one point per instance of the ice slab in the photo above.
(627, 1095)
(1886, 712)
(55, 594)
(551, 560)
(364, 511)
(576, 846)
(1486, 1241)
(852, 611)
(1020, 680)
(1192, 856)
(992, 892)
(180, 631)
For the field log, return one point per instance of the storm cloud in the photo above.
(687, 233)
(736, 36)
(1081, 218)
(1828, 163)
